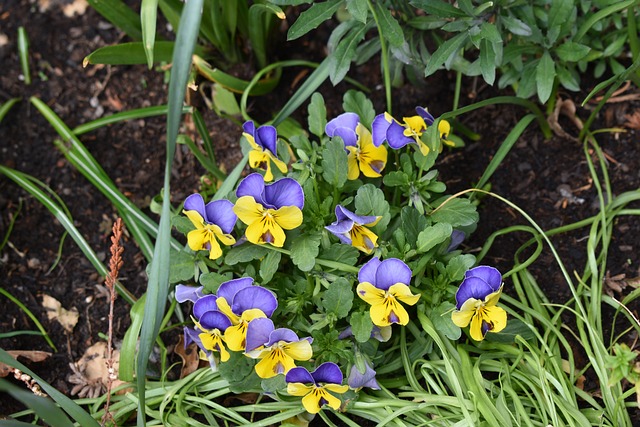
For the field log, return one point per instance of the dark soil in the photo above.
(536, 175)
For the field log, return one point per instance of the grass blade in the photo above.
(158, 284)
(4, 108)
(132, 54)
(148, 15)
(23, 52)
(31, 316)
(43, 407)
(120, 15)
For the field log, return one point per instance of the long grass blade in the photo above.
(158, 284)
(31, 316)
(23, 53)
(43, 407)
(4, 108)
(148, 16)
(132, 53)
(139, 113)
(120, 15)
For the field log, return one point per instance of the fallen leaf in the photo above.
(633, 120)
(33, 355)
(67, 318)
(190, 357)
(91, 374)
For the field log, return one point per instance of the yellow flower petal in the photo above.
(279, 163)
(497, 317)
(402, 293)
(252, 142)
(248, 210)
(444, 128)
(353, 172)
(215, 251)
(287, 217)
(226, 239)
(276, 362)
(388, 313)
(255, 233)
(492, 299)
(235, 336)
(461, 318)
(195, 218)
(370, 294)
(311, 401)
(363, 239)
(225, 308)
(259, 159)
(197, 239)
(337, 388)
(475, 330)
(300, 350)
(299, 389)
(416, 124)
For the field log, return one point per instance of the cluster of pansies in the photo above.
(239, 316)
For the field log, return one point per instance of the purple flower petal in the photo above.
(489, 274)
(328, 372)
(220, 212)
(396, 137)
(426, 116)
(188, 293)
(252, 185)
(267, 137)
(367, 272)
(457, 237)
(390, 272)
(258, 332)
(472, 287)
(298, 375)
(191, 335)
(359, 379)
(344, 120)
(340, 227)
(282, 334)
(284, 192)
(254, 297)
(379, 129)
(205, 304)
(347, 333)
(214, 320)
(344, 237)
(195, 202)
(249, 127)
(227, 290)
(358, 219)
(348, 136)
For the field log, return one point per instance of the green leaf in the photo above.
(457, 212)
(441, 318)
(212, 280)
(312, 18)
(358, 9)
(148, 16)
(182, 224)
(341, 58)
(338, 298)
(43, 407)
(439, 8)
(516, 26)
(432, 236)
(361, 326)
(269, 266)
(395, 179)
(245, 253)
(238, 371)
(317, 115)
(357, 102)
(458, 265)
(413, 223)
(182, 266)
(569, 79)
(334, 162)
(572, 52)
(224, 100)
(446, 50)
(305, 249)
(342, 253)
(370, 200)
(120, 15)
(487, 61)
(389, 27)
(545, 76)
(131, 54)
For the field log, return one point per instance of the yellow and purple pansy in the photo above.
(316, 387)
(383, 285)
(269, 209)
(242, 302)
(352, 229)
(476, 301)
(263, 141)
(213, 221)
(277, 349)
(362, 155)
(398, 135)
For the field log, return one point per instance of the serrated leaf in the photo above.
(458, 265)
(361, 326)
(390, 28)
(341, 58)
(269, 266)
(338, 299)
(370, 200)
(412, 224)
(212, 280)
(442, 54)
(182, 224)
(357, 102)
(345, 254)
(239, 372)
(334, 162)
(572, 52)
(304, 250)
(245, 253)
(441, 318)
(457, 212)
(312, 18)
(182, 266)
(358, 9)
(395, 179)
(317, 115)
(545, 76)
(432, 236)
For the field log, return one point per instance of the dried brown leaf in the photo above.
(67, 318)
(33, 355)
(190, 357)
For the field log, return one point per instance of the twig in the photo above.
(115, 263)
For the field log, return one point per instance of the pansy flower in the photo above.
(263, 141)
(384, 284)
(269, 209)
(213, 221)
(398, 135)
(277, 349)
(316, 387)
(476, 301)
(352, 229)
(362, 154)
(242, 302)
(363, 378)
